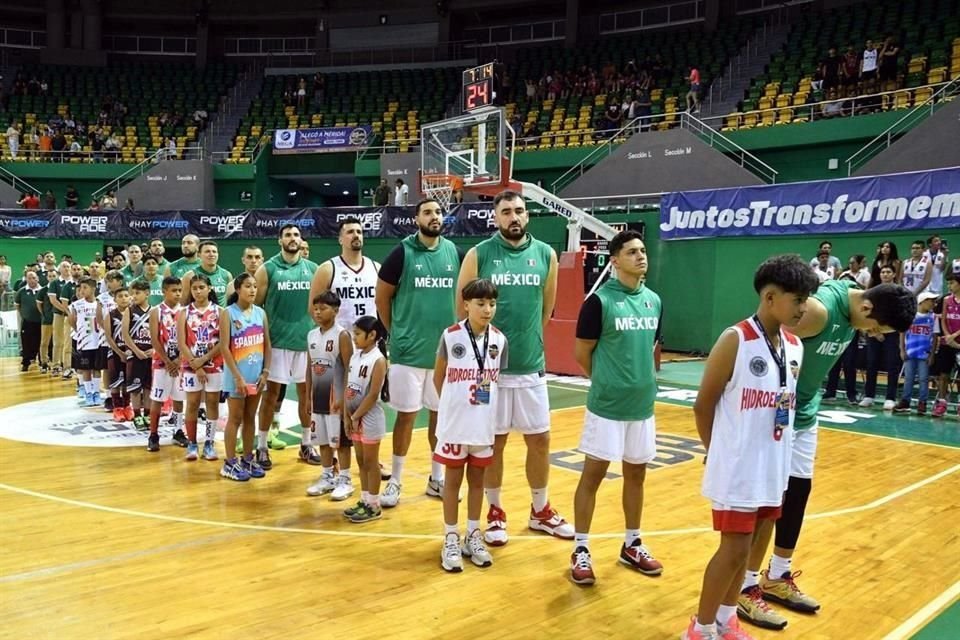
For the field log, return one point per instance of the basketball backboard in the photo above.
(476, 148)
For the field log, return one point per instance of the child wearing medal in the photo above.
(469, 358)
(744, 412)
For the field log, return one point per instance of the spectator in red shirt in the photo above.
(693, 96)
(29, 201)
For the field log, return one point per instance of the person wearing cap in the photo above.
(917, 346)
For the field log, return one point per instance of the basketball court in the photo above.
(273, 560)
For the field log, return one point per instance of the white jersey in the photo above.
(357, 289)
(358, 387)
(938, 263)
(107, 305)
(326, 368)
(915, 272)
(461, 419)
(89, 331)
(747, 465)
(869, 59)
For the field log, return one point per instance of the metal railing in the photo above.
(310, 57)
(814, 110)
(105, 156)
(517, 33)
(919, 112)
(17, 182)
(139, 169)
(253, 153)
(728, 147)
(656, 17)
(602, 150)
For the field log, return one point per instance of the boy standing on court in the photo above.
(744, 412)
(470, 357)
(88, 333)
(617, 330)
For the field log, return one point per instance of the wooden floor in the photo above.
(117, 543)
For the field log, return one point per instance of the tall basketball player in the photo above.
(283, 290)
(524, 270)
(415, 296)
(189, 247)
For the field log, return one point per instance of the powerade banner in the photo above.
(321, 140)
(468, 219)
(896, 202)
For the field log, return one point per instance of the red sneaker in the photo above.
(128, 412)
(636, 556)
(496, 532)
(692, 634)
(581, 567)
(549, 521)
(118, 414)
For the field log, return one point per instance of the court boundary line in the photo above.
(926, 614)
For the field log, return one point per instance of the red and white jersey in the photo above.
(167, 333)
(89, 331)
(915, 272)
(462, 417)
(203, 333)
(747, 465)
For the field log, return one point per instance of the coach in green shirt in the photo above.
(30, 318)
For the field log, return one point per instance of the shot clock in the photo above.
(478, 90)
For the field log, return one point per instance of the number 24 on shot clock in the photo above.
(478, 87)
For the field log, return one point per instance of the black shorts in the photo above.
(849, 81)
(116, 374)
(944, 361)
(89, 360)
(139, 375)
(345, 440)
(888, 72)
(868, 75)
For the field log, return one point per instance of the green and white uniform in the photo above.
(219, 279)
(820, 353)
(156, 289)
(129, 275)
(521, 274)
(619, 423)
(180, 266)
(286, 303)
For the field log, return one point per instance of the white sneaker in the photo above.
(473, 548)
(450, 558)
(496, 533)
(888, 405)
(324, 484)
(866, 402)
(343, 489)
(390, 495)
(434, 488)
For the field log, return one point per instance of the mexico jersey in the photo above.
(464, 417)
(167, 333)
(356, 288)
(140, 327)
(89, 331)
(914, 272)
(358, 387)
(749, 461)
(203, 333)
(326, 368)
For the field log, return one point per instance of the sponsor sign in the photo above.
(321, 140)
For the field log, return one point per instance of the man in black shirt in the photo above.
(830, 70)
(72, 197)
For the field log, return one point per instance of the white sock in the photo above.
(365, 497)
(210, 429)
(449, 528)
(630, 536)
(493, 496)
(472, 525)
(778, 567)
(704, 628)
(397, 471)
(327, 471)
(581, 540)
(89, 386)
(750, 579)
(373, 499)
(306, 436)
(262, 439)
(539, 499)
(178, 420)
(724, 613)
(344, 473)
(436, 471)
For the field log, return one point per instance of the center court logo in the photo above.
(61, 422)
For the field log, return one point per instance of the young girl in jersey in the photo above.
(166, 364)
(247, 364)
(363, 417)
(466, 374)
(117, 356)
(136, 335)
(198, 335)
(744, 412)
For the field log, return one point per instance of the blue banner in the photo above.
(896, 202)
(321, 140)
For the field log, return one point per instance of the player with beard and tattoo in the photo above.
(189, 247)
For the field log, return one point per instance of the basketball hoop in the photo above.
(441, 187)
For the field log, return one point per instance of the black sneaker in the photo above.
(309, 455)
(902, 407)
(153, 442)
(201, 414)
(44, 368)
(180, 438)
(263, 459)
(24, 367)
(108, 403)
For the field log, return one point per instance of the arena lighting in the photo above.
(326, 184)
(345, 192)
(383, 18)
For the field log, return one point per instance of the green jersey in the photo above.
(520, 274)
(219, 279)
(68, 292)
(156, 289)
(422, 305)
(822, 351)
(130, 274)
(53, 288)
(180, 266)
(623, 379)
(26, 298)
(47, 316)
(288, 297)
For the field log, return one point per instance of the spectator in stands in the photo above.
(833, 108)
(111, 147)
(96, 144)
(94, 205)
(29, 201)
(869, 69)
(658, 71)
(33, 87)
(171, 148)
(44, 87)
(5, 274)
(288, 98)
(850, 73)
(828, 73)
(119, 113)
(888, 64)
(643, 108)
(301, 92)
(103, 118)
(381, 195)
(693, 95)
(108, 201)
(46, 143)
(823, 268)
(49, 200)
(612, 119)
(71, 198)
(319, 84)
(13, 139)
(401, 194)
(76, 149)
(128, 206)
(886, 257)
(58, 145)
(857, 271)
(69, 124)
(200, 117)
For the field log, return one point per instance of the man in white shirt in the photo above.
(939, 258)
(916, 269)
(13, 140)
(401, 194)
(857, 271)
(824, 269)
(832, 261)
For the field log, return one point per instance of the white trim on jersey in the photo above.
(913, 273)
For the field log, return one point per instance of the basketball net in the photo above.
(438, 186)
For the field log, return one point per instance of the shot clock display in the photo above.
(478, 87)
